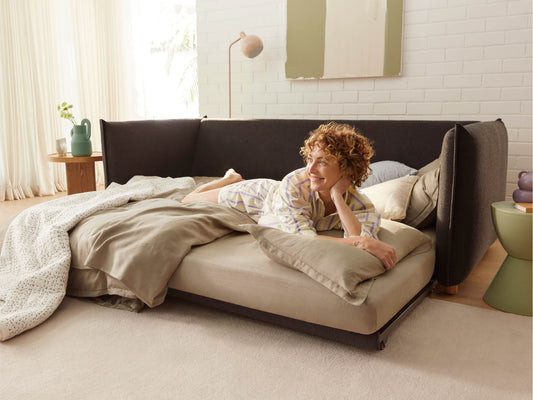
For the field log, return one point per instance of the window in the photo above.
(165, 42)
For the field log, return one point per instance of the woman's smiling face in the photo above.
(323, 170)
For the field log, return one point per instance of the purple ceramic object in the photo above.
(523, 196)
(525, 180)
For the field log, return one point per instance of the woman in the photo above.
(319, 197)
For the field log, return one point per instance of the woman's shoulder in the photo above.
(297, 176)
(296, 185)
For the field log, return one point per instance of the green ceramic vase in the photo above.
(80, 143)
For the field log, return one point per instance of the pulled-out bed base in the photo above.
(375, 340)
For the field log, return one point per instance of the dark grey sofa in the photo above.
(472, 176)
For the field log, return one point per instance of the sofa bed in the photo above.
(432, 182)
(459, 170)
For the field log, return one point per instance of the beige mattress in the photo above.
(233, 269)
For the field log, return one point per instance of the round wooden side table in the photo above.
(80, 171)
(510, 290)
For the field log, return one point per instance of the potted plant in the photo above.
(80, 134)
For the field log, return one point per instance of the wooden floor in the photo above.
(470, 292)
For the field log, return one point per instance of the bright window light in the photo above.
(165, 42)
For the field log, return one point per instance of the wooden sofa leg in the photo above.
(447, 289)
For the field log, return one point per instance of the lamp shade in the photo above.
(251, 45)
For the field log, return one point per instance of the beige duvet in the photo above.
(133, 250)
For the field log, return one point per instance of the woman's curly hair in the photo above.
(351, 149)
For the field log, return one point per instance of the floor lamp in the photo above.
(251, 46)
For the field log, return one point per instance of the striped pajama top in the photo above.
(291, 205)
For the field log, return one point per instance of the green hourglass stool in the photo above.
(510, 290)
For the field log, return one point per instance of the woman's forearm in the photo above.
(350, 241)
(350, 223)
(384, 252)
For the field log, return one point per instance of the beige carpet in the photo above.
(181, 351)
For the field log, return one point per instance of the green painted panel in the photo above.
(306, 27)
(393, 38)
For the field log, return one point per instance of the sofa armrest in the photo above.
(473, 175)
(151, 148)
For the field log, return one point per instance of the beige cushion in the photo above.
(391, 198)
(346, 270)
(422, 208)
(429, 167)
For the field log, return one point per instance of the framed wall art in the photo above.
(343, 38)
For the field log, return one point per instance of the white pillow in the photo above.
(386, 170)
(391, 198)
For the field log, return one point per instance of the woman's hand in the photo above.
(350, 223)
(384, 252)
(340, 187)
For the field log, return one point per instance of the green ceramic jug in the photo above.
(81, 139)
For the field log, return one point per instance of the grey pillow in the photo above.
(386, 170)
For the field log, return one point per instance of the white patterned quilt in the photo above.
(35, 257)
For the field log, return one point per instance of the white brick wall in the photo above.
(462, 59)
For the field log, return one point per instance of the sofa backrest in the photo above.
(270, 148)
(256, 148)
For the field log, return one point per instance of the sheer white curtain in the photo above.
(52, 51)
(26, 126)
